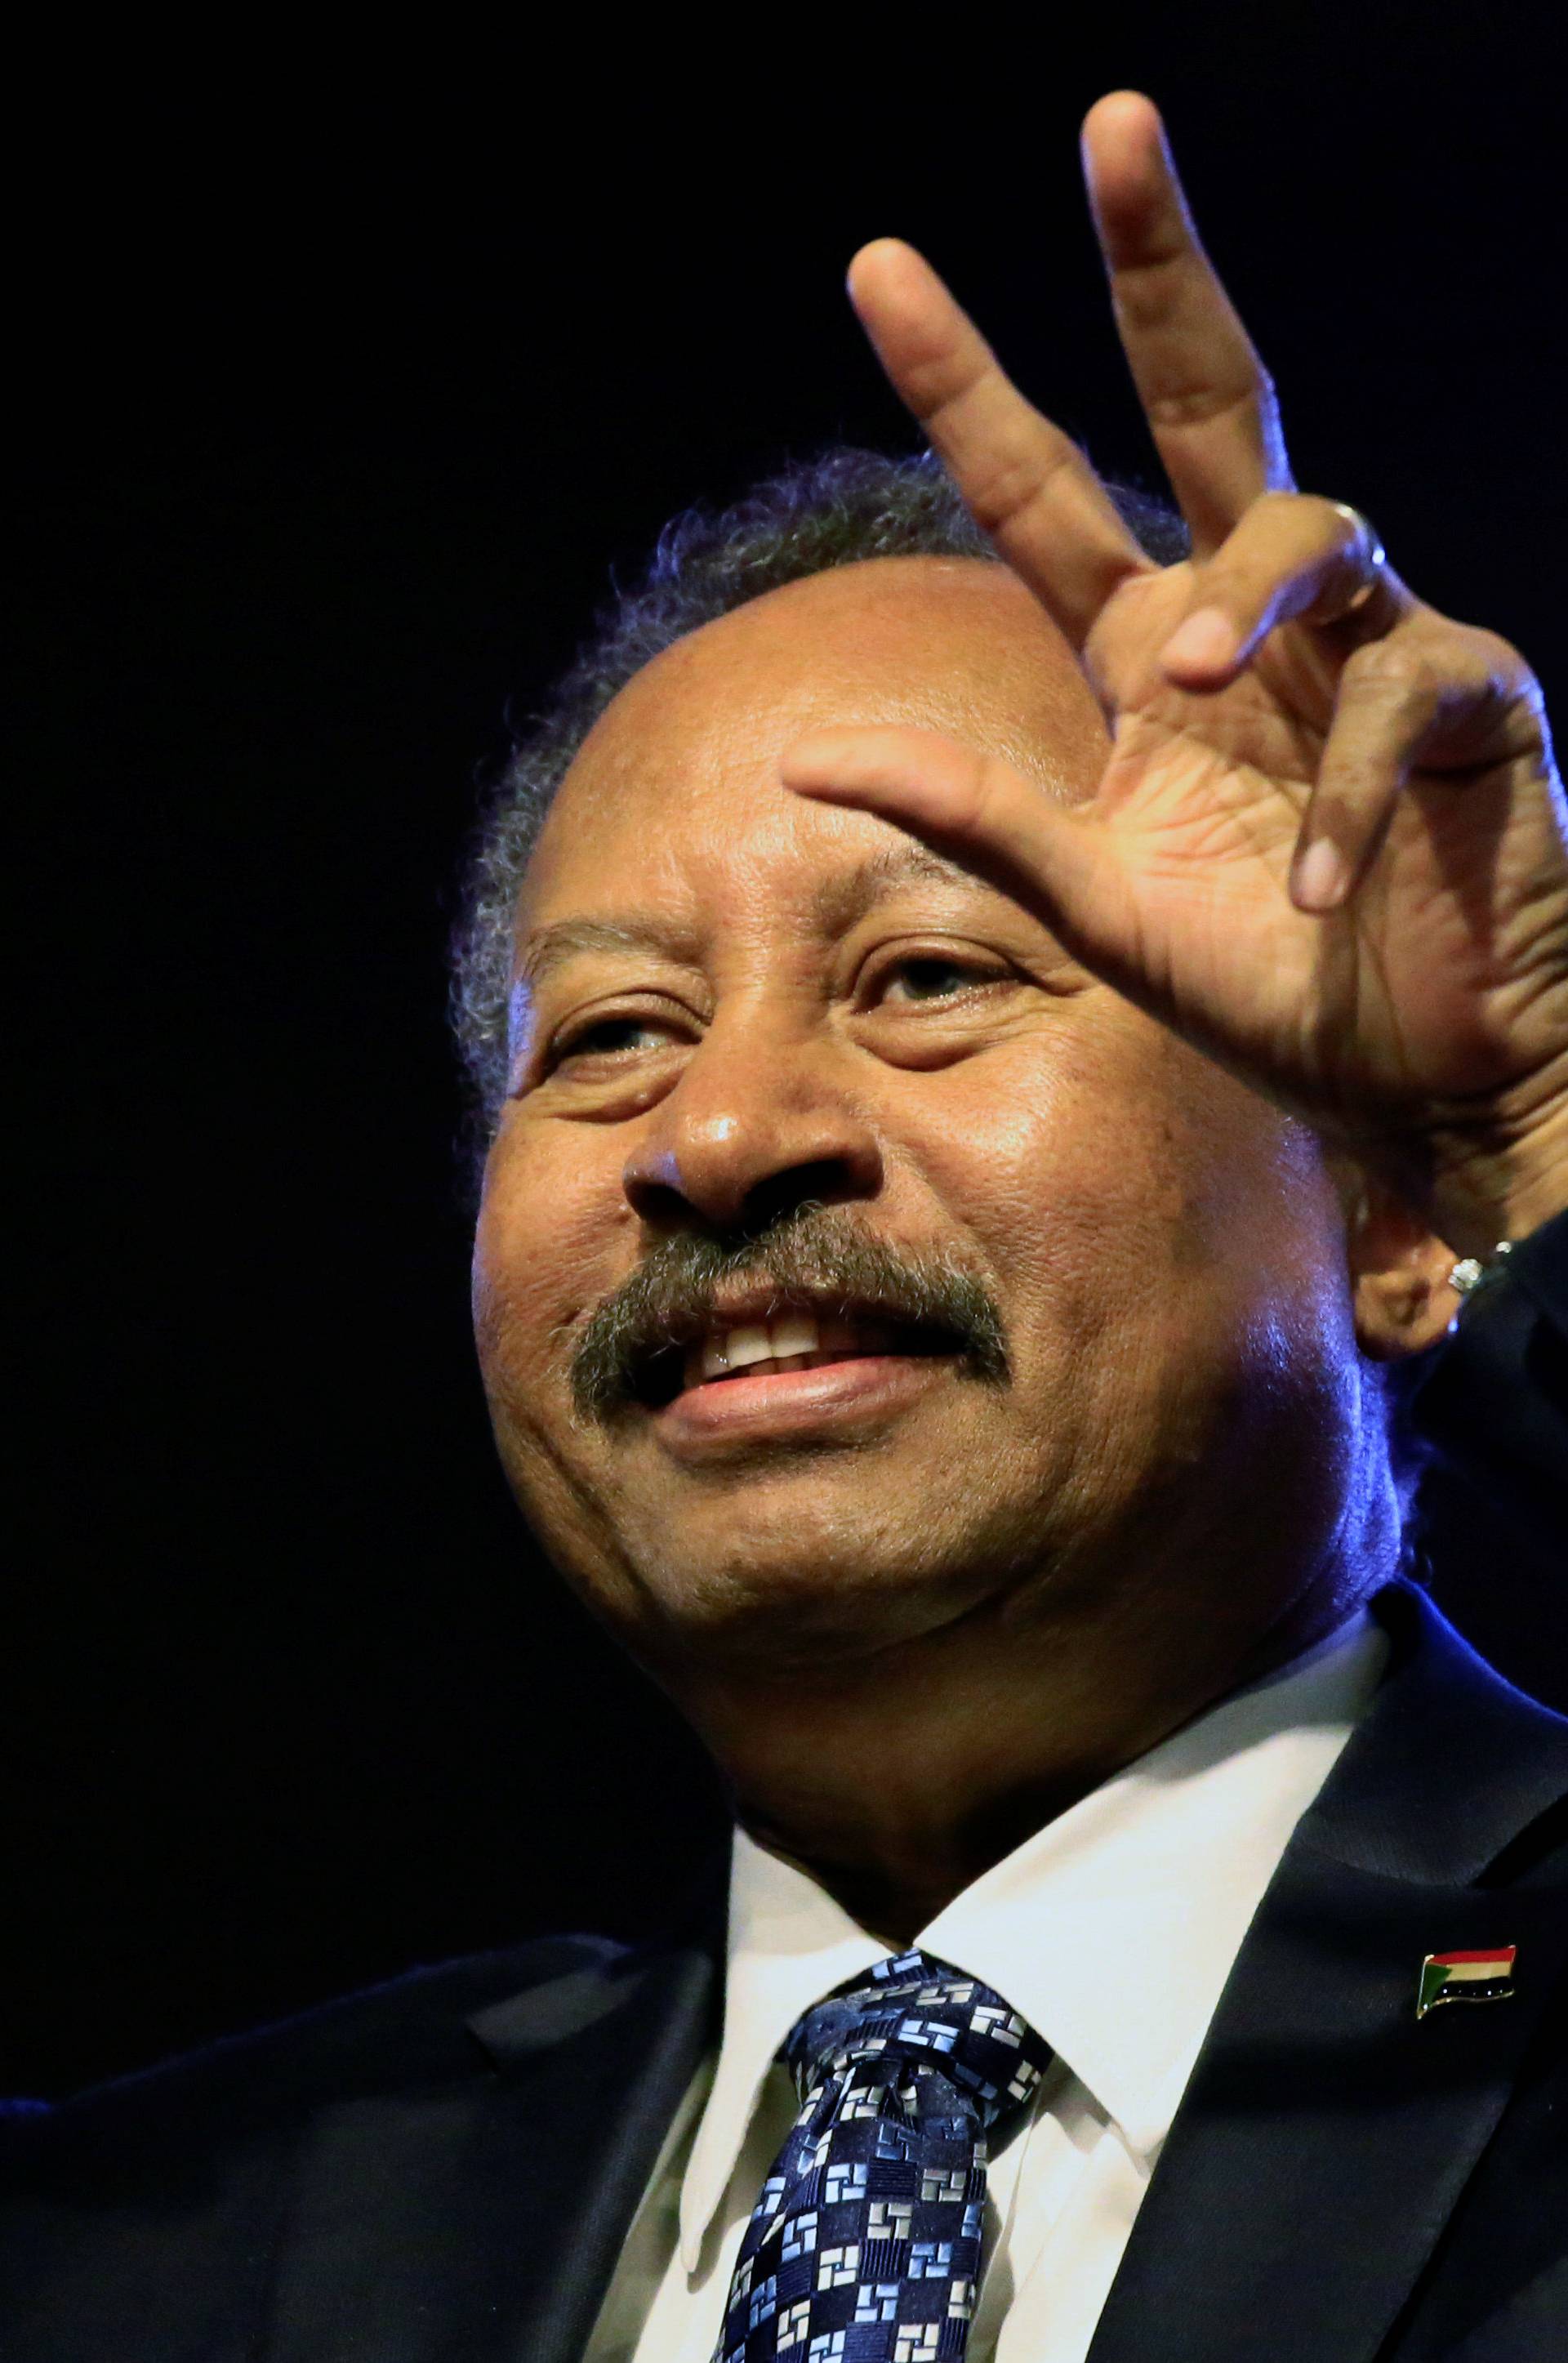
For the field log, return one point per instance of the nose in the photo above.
(758, 1123)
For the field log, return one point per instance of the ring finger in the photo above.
(1293, 555)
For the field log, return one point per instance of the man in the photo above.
(1000, 1063)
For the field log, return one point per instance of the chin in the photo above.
(793, 1582)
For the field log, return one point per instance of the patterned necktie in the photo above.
(865, 2245)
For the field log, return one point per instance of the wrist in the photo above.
(1495, 1188)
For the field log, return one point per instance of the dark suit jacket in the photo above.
(443, 2170)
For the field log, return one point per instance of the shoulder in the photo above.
(170, 2201)
(412, 2030)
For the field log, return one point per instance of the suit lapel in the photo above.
(481, 2218)
(1326, 2135)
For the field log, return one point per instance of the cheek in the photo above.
(1045, 1146)
(1136, 1204)
(547, 1231)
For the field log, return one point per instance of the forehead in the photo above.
(676, 788)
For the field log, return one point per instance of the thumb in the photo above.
(1060, 864)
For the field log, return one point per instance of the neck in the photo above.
(898, 1778)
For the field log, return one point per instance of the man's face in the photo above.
(787, 1083)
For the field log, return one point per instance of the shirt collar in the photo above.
(789, 1944)
(1113, 1929)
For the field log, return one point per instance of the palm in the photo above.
(1439, 982)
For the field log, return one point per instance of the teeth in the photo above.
(793, 1332)
(753, 1341)
(748, 1344)
(736, 1349)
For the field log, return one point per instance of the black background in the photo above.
(343, 383)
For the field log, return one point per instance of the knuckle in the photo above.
(1397, 667)
(1490, 654)
(986, 806)
(1339, 810)
(1007, 483)
(1257, 537)
(1279, 531)
(1203, 403)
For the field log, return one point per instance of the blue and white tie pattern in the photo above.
(865, 2245)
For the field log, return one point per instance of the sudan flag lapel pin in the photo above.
(1467, 1977)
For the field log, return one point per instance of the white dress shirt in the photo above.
(1112, 1930)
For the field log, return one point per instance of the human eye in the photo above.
(925, 1003)
(919, 978)
(621, 1034)
(610, 1038)
(605, 1063)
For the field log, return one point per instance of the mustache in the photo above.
(810, 1252)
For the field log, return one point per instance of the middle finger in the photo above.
(1209, 400)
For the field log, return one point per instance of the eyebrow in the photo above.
(837, 904)
(839, 901)
(550, 946)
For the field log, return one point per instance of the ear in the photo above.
(1402, 1296)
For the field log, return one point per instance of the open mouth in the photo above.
(791, 1337)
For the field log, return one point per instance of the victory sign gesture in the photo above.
(1329, 846)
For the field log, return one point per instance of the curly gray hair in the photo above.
(834, 510)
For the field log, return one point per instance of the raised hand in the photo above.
(1329, 844)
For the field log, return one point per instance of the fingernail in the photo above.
(1208, 637)
(1322, 877)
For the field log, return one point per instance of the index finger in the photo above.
(1025, 482)
(1209, 400)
